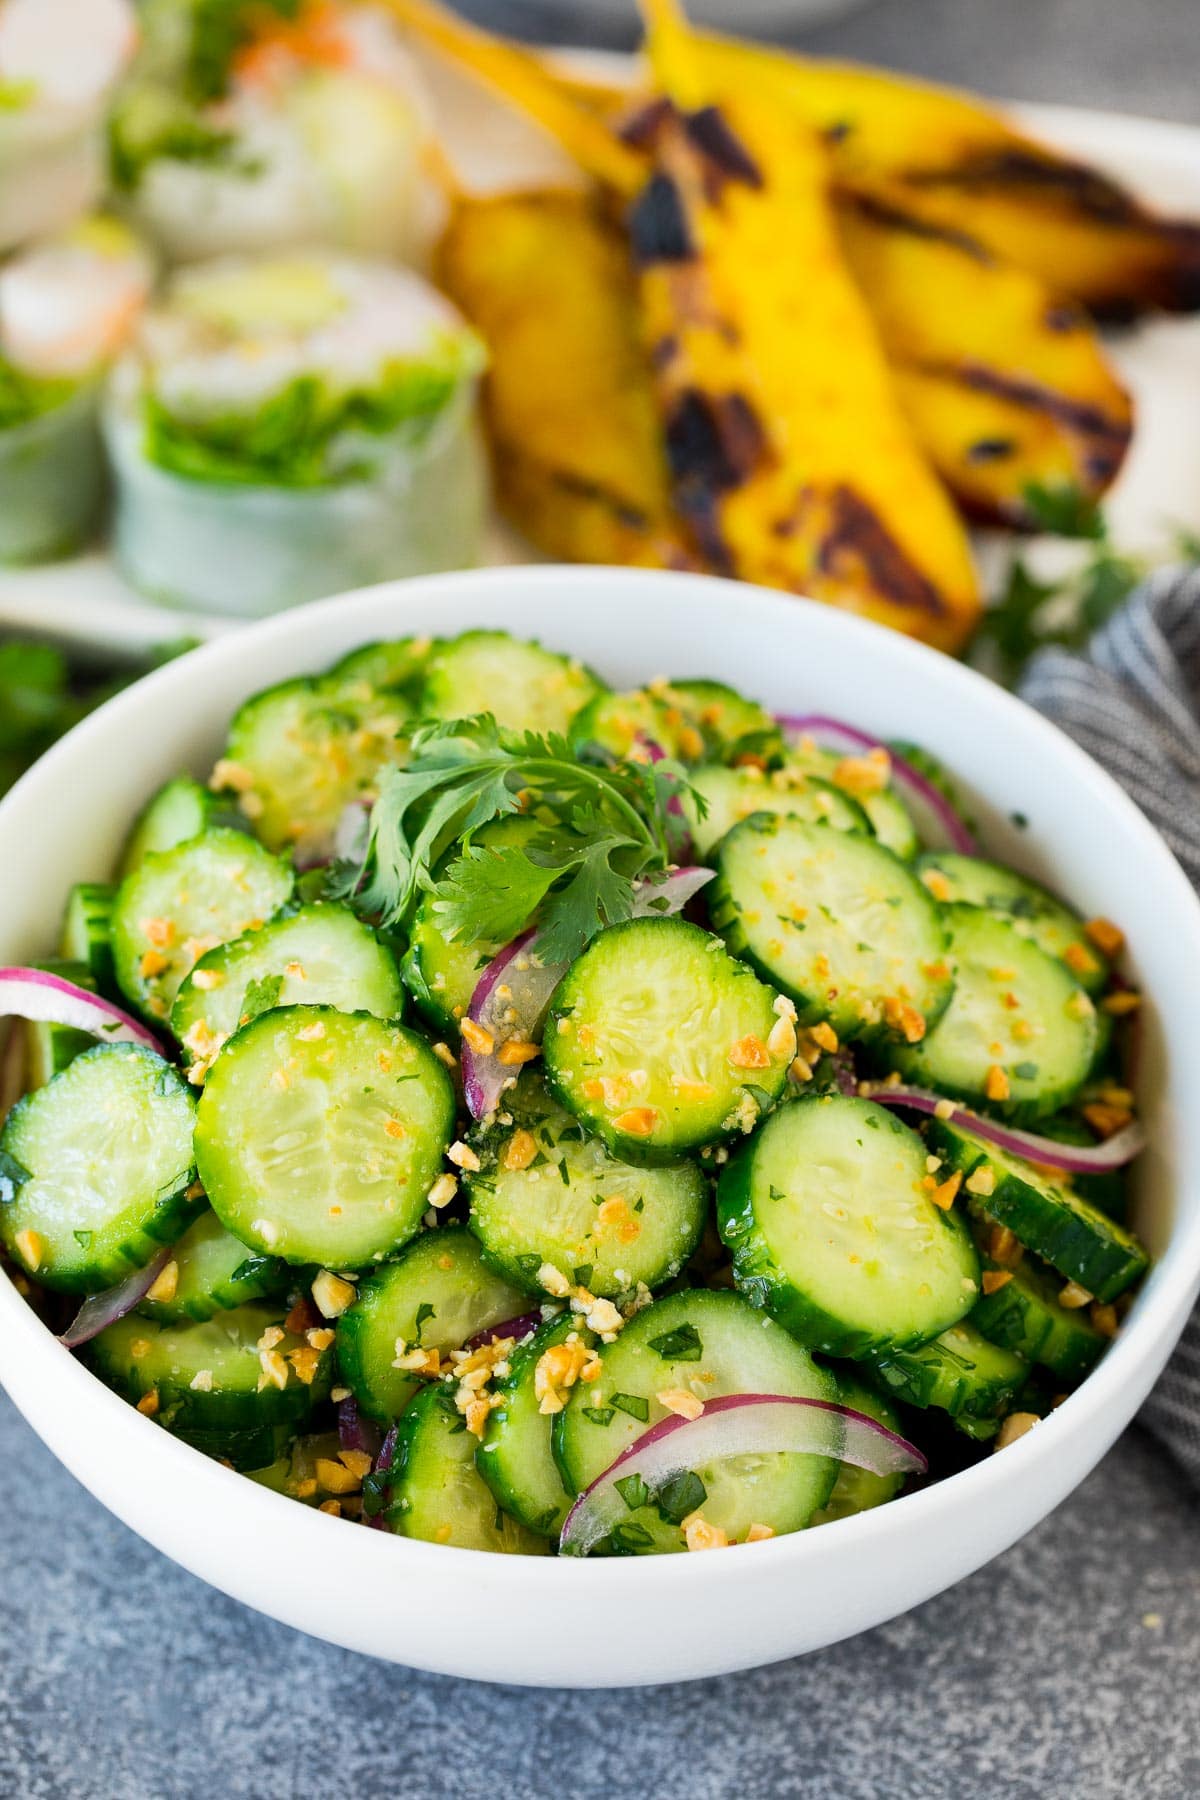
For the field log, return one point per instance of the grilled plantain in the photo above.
(579, 459)
(1006, 387)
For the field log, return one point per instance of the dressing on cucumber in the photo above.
(438, 1494)
(731, 795)
(1027, 907)
(211, 1271)
(523, 686)
(516, 1457)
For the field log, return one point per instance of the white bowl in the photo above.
(639, 1619)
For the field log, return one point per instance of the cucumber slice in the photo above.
(300, 753)
(95, 1169)
(728, 722)
(1107, 1191)
(522, 685)
(395, 663)
(1024, 1316)
(178, 904)
(441, 973)
(709, 1344)
(641, 1037)
(178, 812)
(320, 1133)
(321, 955)
(546, 1193)
(832, 1229)
(438, 1293)
(891, 821)
(251, 1453)
(731, 795)
(209, 1375)
(836, 921)
(87, 932)
(1057, 1224)
(858, 1490)
(1030, 909)
(1015, 1010)
(618, 722)
(214, 1272)
(516, 1457)
(437, 1492)
(958, 1371)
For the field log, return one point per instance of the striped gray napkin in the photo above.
(1132, 700)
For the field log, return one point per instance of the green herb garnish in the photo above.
(634, 1405)
(680, 1345)
(261, 996)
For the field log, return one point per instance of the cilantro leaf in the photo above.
(262, 994)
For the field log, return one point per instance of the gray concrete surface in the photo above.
(1068, 1668)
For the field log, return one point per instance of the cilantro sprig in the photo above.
(597, 829)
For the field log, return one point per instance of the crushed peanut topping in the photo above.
(1014, 1427)
(207, 979)
(1125, 1000)
(757, 1534)
(443, 1190)
(700, 1535)
(159, 932)
(996, 1084)
(981, 1181)
(1003, 1246)
(1108, 938)
(1107, 1119)
(945, 1192)
(152, 963)
(478, 1037)
(29, 1246)
(692, 1090)
(473, 1370)
(417, 1361)
(394, 1129)
(520, 1150)
(306, 1360)
(905, 1019)
(639, 1121)
(1080, 960)
(319, 1338)
(274, 1370)
(554, 1281)
(559, 1368)
(463, 1157)
(781, 1040)
(232, 775)
(867, 774)
(517, 1052)
(680, 1401)
(202, 1381)
(601, 1315)
(445, 1055)
(311, 1034)
(148, 1404)
(335, 1477)
(937, 884)
(166, 1283)
(992, 1280)
(1073, 1296)
(613, 1218)
(1104, 1318)
(332, 1507)
(750, 1053)
(945, 1109)
(332, 1294)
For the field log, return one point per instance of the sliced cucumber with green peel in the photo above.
(731, 795)
(394, 663)
(322, 955)
(178, 904)
(87, 931)
(436, 1491)
(209, 1375)
(1025, 1316)
(548, 1193)
(437, 1294)
(858, 1490)
(706, 1344)
(728, 722)
(1019, 1035)
(178, 812)
(441, 973)
(1049, 1218)
(958, 1371)
(516, 1457)
(320, 1133)
(832, 1229)
(300, 753)
(213, 1272)
(620, 723)
(891, 822)
(837, 922)
(659, 1041)
(522, 685)
(1029, 908)
(95, 1169)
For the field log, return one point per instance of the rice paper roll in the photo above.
(288, 428)
(67, 304)
(299, 123)
(60, 61)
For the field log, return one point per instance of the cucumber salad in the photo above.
(520, 1115)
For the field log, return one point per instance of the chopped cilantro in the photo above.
(681, 1345)
(634, 1405)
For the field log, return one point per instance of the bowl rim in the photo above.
(1144, 1343)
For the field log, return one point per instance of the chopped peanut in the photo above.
(995, 1084)
(1003, 1247)
(148, 1404)
(332, 1507)
(29, 1245)
(946, 1192)
(516, 1053)
(905, 1019)
(417, 1361)
(443, 1190)
(463, 1157)
(750, 1053)
(520, 1150)
(554, 1281)
(867, 774)
(1014, 1427)
(758, 1534)
(1125, 1000)
(1108, 938)
(937, 884)
(274, 1369)
(981, 1181)
(700, 1535)
(445, 1056)
(639, 1121)
(306, 1360)
(1080, 960)
(945, 1109)
(1107, 1119)
(559, 1368)
(478, 1037)
(1073, 1296)
(1104, 1318)
(781, 1041)
(681, 1402)
(332, 1294)
(166, 1283)
(992, 1280)
(153, 963)
(334, 1477)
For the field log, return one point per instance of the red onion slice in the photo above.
(736, 1425)
(835, 734)
(380, 1491)
(513, 993)
(39, 995)
(355, 1432)
(517, 1329)
(1075, 1159)
(99, 1310)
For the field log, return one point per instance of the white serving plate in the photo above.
(84, 602)
(634, 1620)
